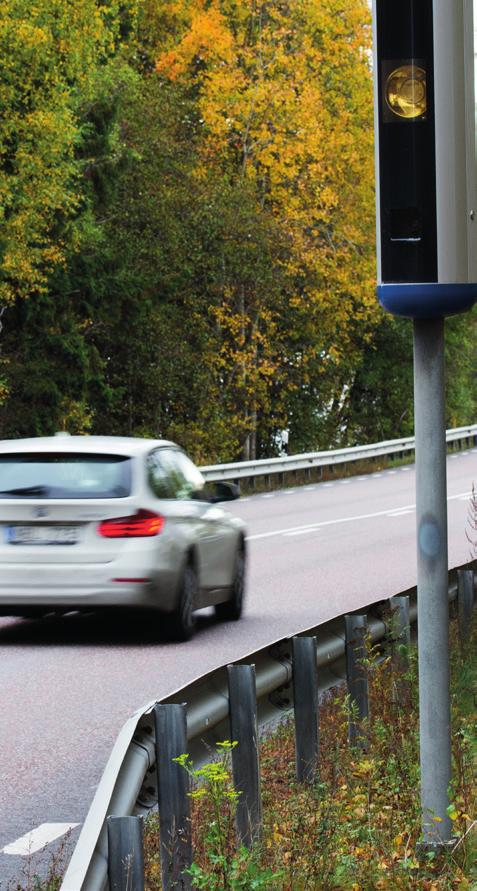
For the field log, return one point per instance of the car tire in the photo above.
(182, 620)
(231, 610)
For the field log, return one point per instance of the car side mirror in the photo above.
(225, 492)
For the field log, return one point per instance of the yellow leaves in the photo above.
(359, 812)
(366, 767)
(75, 416)
(207, 41)
(292, 111)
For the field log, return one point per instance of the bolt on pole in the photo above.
(432, 579)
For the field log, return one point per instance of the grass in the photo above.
(31, 881)
(358, 828)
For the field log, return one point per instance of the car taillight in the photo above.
(140, 524)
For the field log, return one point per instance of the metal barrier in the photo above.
(129, 786)
(308, 460)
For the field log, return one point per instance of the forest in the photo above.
(187, 235)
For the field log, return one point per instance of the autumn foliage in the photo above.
(187, 227)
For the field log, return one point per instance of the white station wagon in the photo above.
(99, 521)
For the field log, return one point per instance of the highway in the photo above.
(68, 684)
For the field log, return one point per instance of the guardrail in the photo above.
(129, 785)
(308, 460)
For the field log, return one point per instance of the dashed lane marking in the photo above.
(37, 839)
(302, 531)
(340, 520)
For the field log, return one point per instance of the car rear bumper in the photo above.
(80, 587)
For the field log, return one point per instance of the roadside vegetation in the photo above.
(187, 229)
(358, 828)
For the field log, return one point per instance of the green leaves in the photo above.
(224, 867)
(51, 57)
(186, 195)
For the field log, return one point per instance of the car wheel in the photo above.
(231, 610)
(183, 618)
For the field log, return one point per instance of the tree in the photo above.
(283, 93)
(51, 53)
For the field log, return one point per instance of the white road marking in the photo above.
(400, 513)
(328, 485)
(391, 472)
(302, 531)
(269, 495)
(362, 479)
(404, 469)
(310, 488)
(454, 456)
(37, 839)
(376, 476)
(340, 520)
(345, 482)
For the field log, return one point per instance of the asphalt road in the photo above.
(67, 685)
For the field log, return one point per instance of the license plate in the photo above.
(42, 535)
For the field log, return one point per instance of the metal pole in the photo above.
(173, 786)
(305, 700)
(401, 642)
(465, 603)
(356, 628)
(432, 576)
(245, 758)
(125, 854)
(401, 624)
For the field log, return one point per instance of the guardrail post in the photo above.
(305, 697)
(400, 630)
(465, 602)
(356, 627)
(125, 854)
(173, 787)
(245, 757)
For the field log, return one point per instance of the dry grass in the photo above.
(357, 829)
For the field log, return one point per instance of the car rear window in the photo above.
(64, 475)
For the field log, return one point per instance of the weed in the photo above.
(31, 881)
(358, 827)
